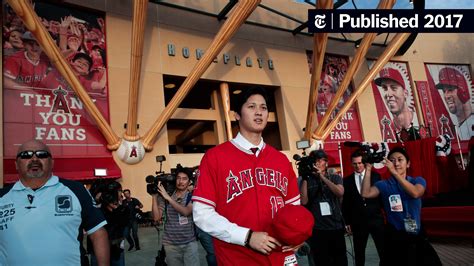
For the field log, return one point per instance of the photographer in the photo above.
(179, 239)
(108, 196)
(405, 244)
(134, 206)
(321, 193)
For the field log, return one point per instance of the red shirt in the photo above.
(25, 72)
(248, 191)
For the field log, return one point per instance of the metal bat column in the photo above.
(319, 49)
(138, 32)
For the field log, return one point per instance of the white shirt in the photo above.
(359, 178)
(246, 145)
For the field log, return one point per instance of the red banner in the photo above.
(452, 95)
(427, 107)
(348, 129)
(394, 100)
(37, 101)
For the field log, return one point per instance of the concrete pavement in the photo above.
(149, 249)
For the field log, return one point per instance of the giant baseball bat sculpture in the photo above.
(391, 49)
(138, 32)
(319, 49)
(224, 87)
(240, 13)
(25, 11)
(353, 68)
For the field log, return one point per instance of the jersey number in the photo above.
(277, 203)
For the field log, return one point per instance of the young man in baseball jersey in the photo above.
(242, 183)
(26, 68)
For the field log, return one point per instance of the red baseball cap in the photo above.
(292, 225)
(392, 74)
(451, 78)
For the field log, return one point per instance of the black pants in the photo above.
(402, 248)
(328, 247)
(361, 235)
(132, 231)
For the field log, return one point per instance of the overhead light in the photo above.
(357, 43)
(237, 92)
(100, 172)
(170, 85)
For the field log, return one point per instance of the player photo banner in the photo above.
(334, 69)
(394, 100)
(452, 94)
(38, 103)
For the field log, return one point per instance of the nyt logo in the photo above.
(320, 21)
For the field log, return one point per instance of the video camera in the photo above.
(371, 154)
(168, 180)
(304, 164)
(109, 191)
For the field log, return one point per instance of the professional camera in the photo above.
(304, 164)
(372, 154)
(168, 180)
(109, 191)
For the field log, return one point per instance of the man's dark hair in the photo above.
(318, 154)
(359, 153)
(247, 94)
(185, 170)
(126, 190)
(356, 154)
(84, 56)
(400, 150)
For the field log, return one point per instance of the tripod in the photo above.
(161, 254)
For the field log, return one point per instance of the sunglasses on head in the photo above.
(41, 154)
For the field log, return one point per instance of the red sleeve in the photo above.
(206, 189)
(11, 68)
(293, 194)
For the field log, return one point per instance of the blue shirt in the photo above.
(44, 226)
(398, 205)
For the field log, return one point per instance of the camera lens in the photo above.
(150, 179)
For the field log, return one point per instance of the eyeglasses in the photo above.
(41, 154)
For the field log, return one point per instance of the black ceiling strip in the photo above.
(226, 9)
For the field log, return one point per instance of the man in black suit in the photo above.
(362, 216)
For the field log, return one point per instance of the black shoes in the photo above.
(131, 248)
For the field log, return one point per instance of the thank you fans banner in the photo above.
(348, 129)
(38, 103)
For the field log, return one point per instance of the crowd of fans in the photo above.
(82, 44)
